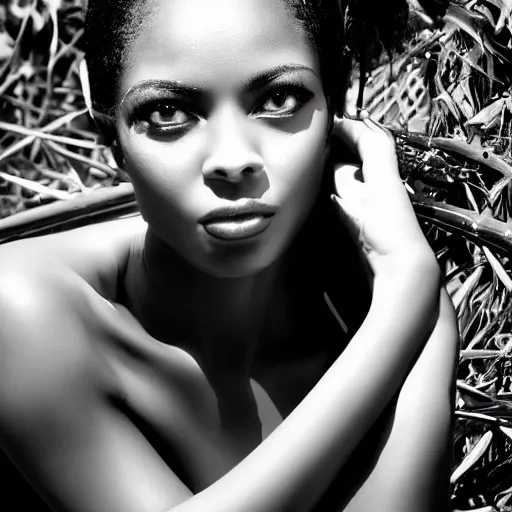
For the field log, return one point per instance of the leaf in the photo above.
(84, 144)
(479, 354)
(473, 396)
(483, 509)
(77, 157)
(504, 499)
(489, 116)
(467, 286)
(471, 198)
(507, 431)
(500, 272)
(495, 49)
(86, 87)
(505, 7)
(498, 188)
(466, 21)
(473, 457)
(35, 187)
(53, 5)
(6, 46)
(54, 125)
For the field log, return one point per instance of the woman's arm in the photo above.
(54, 424)
(404, 462)
(291, 469)
(331, 421)
(288, 471)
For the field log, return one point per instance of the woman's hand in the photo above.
(373, 202)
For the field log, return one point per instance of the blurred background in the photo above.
(444, 91)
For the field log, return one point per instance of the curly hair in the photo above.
(341, 31)
(338, 29)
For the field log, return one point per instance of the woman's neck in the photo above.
(222, 321)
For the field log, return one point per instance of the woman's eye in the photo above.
(285, 101)
(164, 115)
(159, 118)
(279, 101)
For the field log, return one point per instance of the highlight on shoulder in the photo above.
(95, 253)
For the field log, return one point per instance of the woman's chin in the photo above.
(235, 270)
(238, 264)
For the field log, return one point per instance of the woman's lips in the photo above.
(238, 227)
(239, 220)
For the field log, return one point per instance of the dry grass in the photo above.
(447, 97)
(49, 146)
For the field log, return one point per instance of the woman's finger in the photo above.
(348, 180)
(375, 147)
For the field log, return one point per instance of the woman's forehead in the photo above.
(206, 40)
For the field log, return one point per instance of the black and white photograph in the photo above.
(255, 256)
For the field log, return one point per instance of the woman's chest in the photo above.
(202, 427)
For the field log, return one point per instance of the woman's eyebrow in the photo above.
(252, 84)
(260, 79)
(167, 85)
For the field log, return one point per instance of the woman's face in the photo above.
(221, 104)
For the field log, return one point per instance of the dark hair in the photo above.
(111, 25)
(339, 29)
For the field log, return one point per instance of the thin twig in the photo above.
(82, 159)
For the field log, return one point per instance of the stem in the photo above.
(87, 208)
(54, 125)
(459, 148)
(479, 229)
(80, 158)
(84, 144)
(362, 82)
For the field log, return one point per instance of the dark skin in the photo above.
(148, 383)
(199, 424)
(234, 412)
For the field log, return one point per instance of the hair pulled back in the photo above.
(338, 29)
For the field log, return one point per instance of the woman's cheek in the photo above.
(168, 169)
(300, 160)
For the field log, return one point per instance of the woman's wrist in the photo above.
(411, 264)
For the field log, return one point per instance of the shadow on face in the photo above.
(222, 102)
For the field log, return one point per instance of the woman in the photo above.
(202, 361)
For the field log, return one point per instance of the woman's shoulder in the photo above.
(52, 295)
(96, 253)
(52, 306)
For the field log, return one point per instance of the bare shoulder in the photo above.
(45, 352)
(51, 294)
(60, 404)
(45, 324)
(52, 291)
(96, 253)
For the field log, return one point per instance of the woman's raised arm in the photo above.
(291, 469)
(288, 471)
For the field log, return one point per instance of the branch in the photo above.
(86, 208)
(480, 229)
(457, 148)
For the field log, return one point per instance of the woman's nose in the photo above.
(232, 153)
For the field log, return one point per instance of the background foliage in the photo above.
(447, 98)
